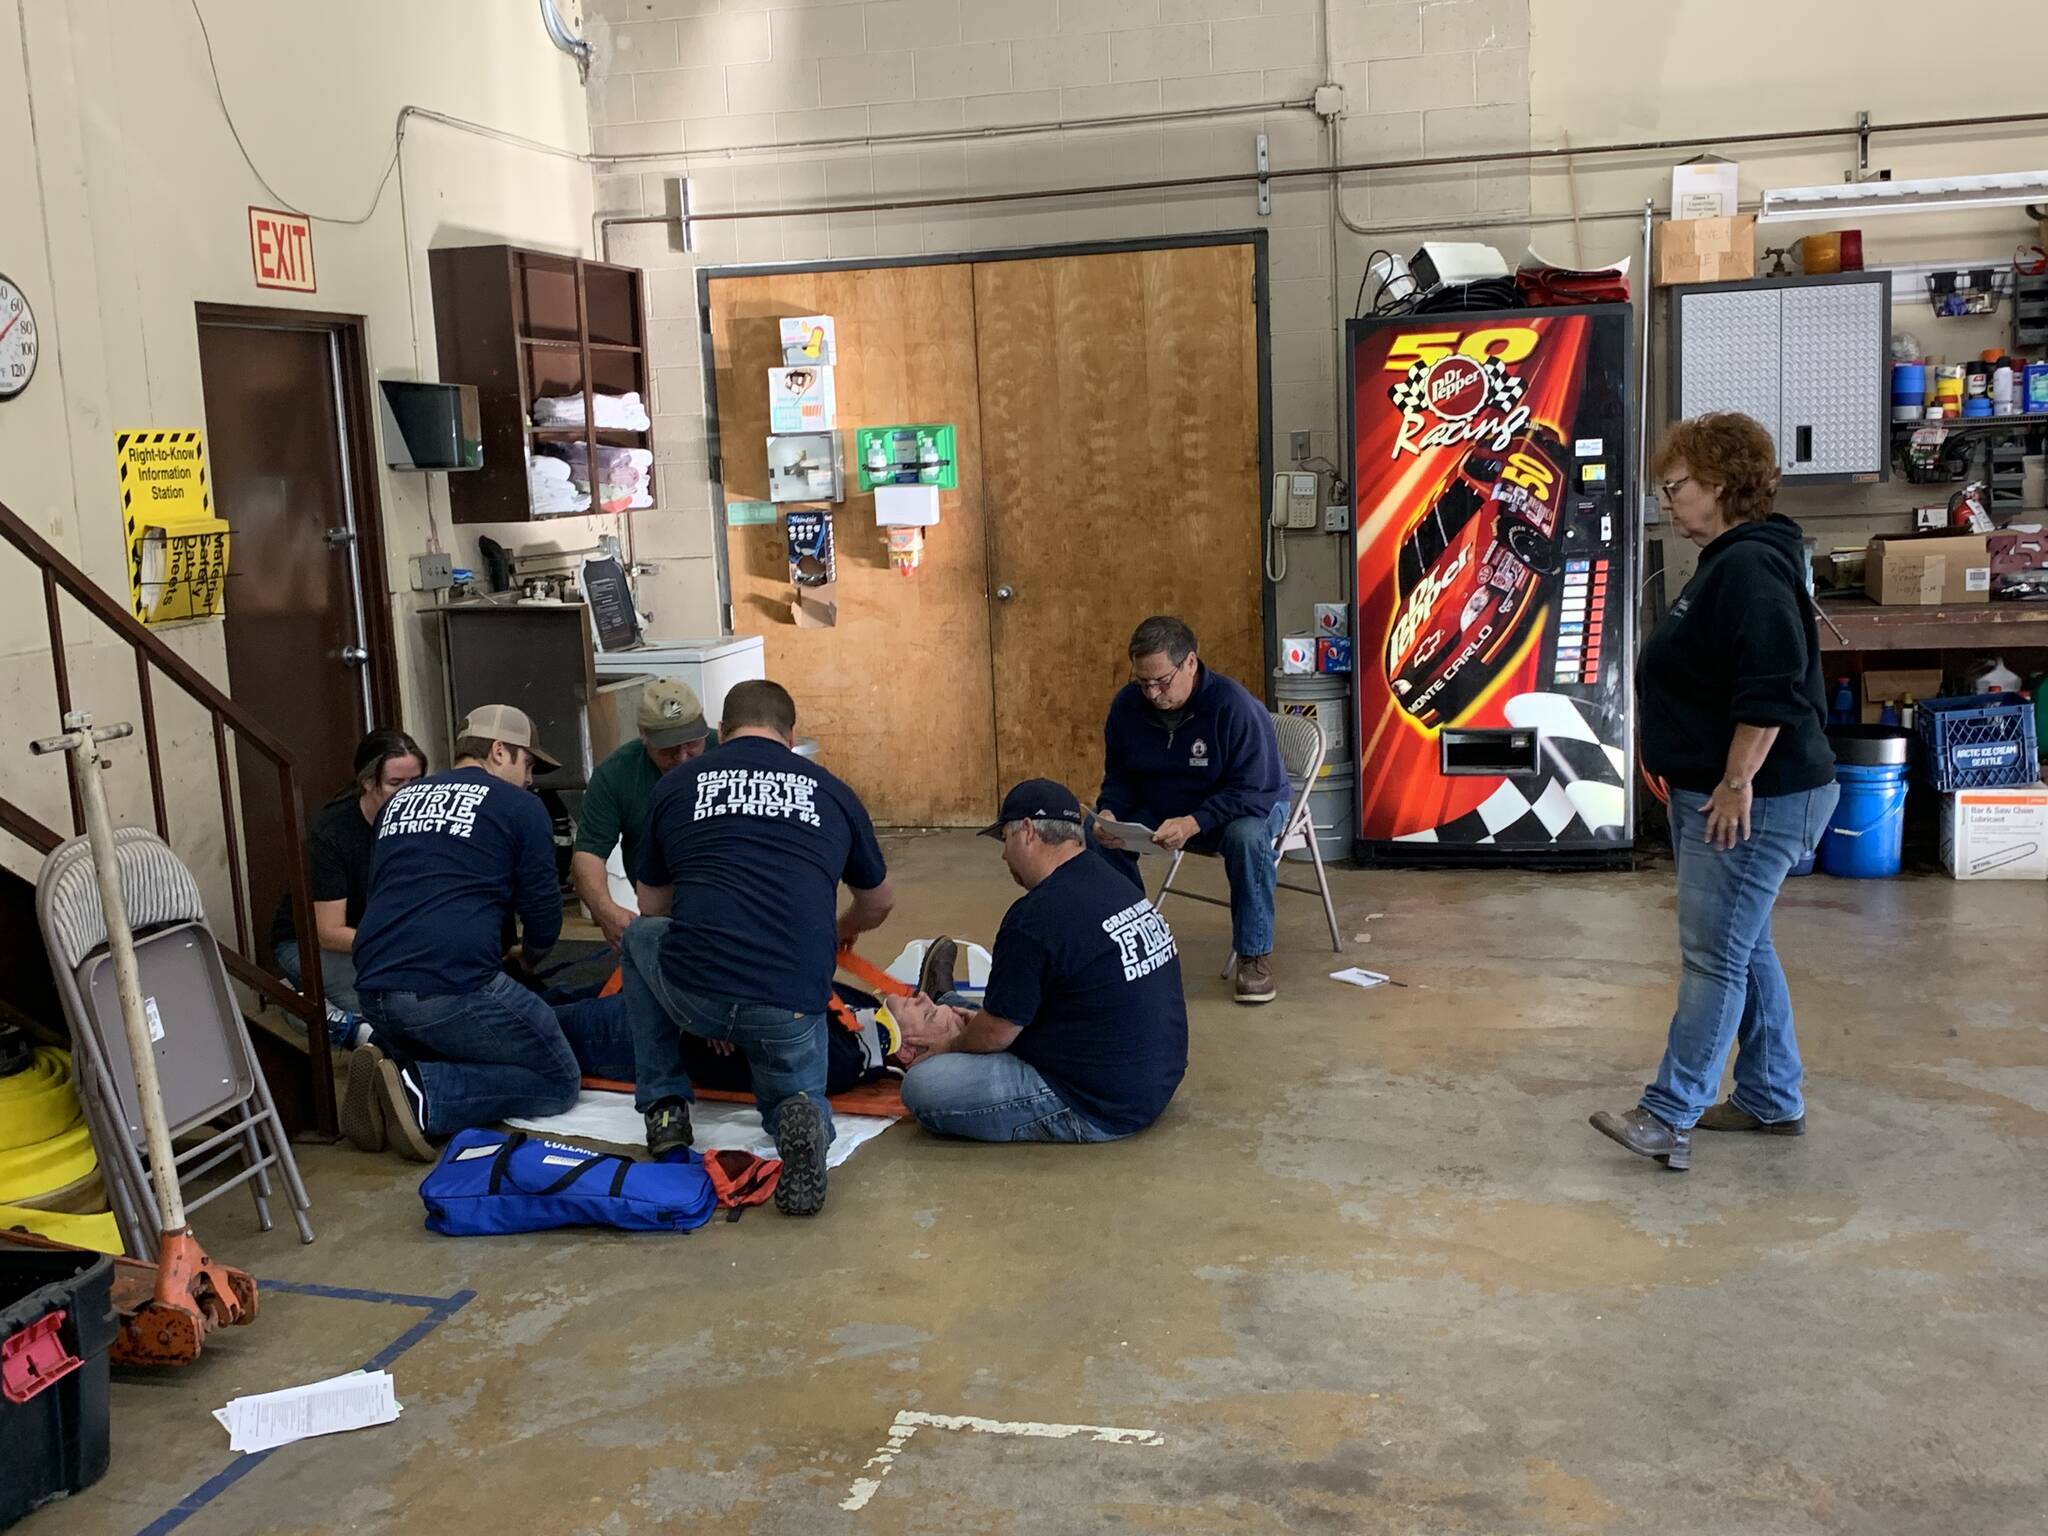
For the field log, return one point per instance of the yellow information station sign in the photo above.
(177, 548)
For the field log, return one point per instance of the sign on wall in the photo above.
(281, 249)
(177, 548)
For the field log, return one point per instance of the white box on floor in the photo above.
(1996, 834)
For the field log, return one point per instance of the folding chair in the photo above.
(211, 1083)
(1301, 749)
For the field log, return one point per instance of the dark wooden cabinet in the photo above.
(521, 325)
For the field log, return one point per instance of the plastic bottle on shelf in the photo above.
(1889, 714)
(1842, 704)
(1907, 713)
(2002, 402)
(1991, 676)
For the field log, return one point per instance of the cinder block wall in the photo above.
(724, 91)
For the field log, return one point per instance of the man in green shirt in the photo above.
(672, 730)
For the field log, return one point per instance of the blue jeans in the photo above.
(1250, 865)
(1731, 988)
(337, 976)
(992, 1096)
(786, 1051)
(495, 1053)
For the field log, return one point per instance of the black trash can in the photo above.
(56, 1325)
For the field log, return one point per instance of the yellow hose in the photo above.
(46, 1146)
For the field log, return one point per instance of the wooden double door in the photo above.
(1106, 409)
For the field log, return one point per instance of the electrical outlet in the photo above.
(1337, 519)
(1298, 447)
(432, 573)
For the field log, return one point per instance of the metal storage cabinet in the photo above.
(1805, 356)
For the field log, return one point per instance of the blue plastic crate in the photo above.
(1983, 741)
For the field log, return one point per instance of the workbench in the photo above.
(1867, 626)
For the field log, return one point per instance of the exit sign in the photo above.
(281, 247)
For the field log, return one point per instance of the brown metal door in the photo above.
(295, 617)
(1120, 451)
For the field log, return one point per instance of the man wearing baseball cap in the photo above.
(1082, 1034)
(673, 730)
(456, 1041)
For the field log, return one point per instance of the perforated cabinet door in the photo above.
(1728, 353)
(1833, 371)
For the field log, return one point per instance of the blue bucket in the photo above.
(1867, 832)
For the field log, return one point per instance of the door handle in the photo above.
(354, 655)
(1005, 593)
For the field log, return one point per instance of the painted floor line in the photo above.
(908, 1423)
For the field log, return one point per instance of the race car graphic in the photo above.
(1474, 567)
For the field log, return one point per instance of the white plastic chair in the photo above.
(1301, 749)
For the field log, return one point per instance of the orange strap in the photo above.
(873, 977)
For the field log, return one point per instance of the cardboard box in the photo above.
(1880, 688)
(1706, 250)
(906, 506)
(1925, 570)
(809, 341)
(1298, 654)
(1996, 834)
(1333, 618)
(801, 400)
(1705, 188)
(1333, 653)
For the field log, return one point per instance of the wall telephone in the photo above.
(1294, 500)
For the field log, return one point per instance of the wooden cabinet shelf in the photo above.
(525, 325)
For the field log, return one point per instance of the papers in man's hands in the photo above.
(266, 1420)
(1132, 836)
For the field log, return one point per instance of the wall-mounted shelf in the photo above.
(520, 325)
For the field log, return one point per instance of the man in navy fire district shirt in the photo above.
(739, 875)
(1083, 1032)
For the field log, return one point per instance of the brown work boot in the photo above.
(1646, 1136)
(362, 1110)
(935, 976)
(1730, 1116)
(1255, 979)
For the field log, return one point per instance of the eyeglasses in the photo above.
(1159, 684)
(1668, 489)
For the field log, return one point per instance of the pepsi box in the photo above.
(1333, 653)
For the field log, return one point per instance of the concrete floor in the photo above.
(1372, 1273)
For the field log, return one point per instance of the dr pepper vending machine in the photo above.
(1493, 619)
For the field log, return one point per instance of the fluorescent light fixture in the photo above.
(1861, 199)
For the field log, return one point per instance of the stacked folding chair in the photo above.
(215, 1100)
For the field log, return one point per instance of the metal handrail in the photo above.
(309, 1004)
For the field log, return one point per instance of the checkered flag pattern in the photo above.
(1580, 794)
(1503, 389)
(1407, 393)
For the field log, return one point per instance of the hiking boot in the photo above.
(1255, 979)
(1646, 1136)
(1732, 1117)
(668, 1127)
(404, 1106)
(800, 1143)
(935, 976)
(362, 1112)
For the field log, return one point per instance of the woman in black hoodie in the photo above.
(1734, 717)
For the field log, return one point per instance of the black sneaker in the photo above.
(935, 976)
(800, 1143)
(668, 1127)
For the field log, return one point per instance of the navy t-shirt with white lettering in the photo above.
(1093, 978)
(755, 840)
(455, 856)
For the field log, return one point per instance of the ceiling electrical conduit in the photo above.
(1355, 168)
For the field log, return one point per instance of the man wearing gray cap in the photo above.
(672, 732)
(456, 1041)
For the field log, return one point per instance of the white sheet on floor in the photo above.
(602, 1116)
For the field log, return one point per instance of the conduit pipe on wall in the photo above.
(559, 34)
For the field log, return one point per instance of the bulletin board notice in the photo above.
(177, 548)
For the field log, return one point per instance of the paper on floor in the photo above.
(266, 1420)
(602, 1116)
(1359, 976)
